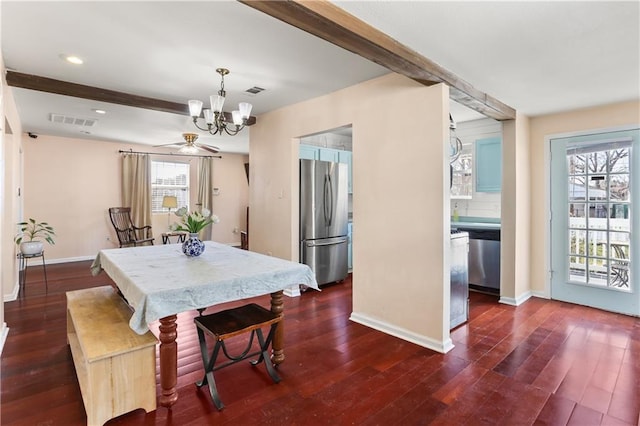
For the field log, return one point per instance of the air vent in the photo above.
(74, 121)
(254, 90)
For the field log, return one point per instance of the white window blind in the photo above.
(169, 178)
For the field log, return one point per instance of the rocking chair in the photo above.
(129, 234)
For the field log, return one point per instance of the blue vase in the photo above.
(193, 246)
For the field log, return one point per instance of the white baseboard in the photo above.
(518, 300)
(13, 295)
(540, 294)
(293, 291)
(3, 336)
(404, 334)
(16, 288)
(69, 259)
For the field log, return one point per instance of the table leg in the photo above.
(277, 307)
(168, 361)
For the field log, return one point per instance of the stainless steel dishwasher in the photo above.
(484, 259)
(459, 301)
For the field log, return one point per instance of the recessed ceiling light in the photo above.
(99, 111)
(72, 59)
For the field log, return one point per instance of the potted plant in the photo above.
(193, 223)
(31, 235)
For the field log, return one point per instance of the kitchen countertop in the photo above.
(475, 225)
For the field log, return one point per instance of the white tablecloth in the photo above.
(159, 281)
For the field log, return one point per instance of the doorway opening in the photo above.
(326, 203)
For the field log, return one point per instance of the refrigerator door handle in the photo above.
(327, 243)
(324, 199)
(330, 200)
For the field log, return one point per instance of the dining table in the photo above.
(159, 282)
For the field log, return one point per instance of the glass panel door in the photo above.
(593, 255)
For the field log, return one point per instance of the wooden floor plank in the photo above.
(544, 362)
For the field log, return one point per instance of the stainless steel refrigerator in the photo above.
(324, 218)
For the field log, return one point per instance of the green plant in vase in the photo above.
(193, 223)
(31, 236)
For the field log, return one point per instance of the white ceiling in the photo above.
(538, 57)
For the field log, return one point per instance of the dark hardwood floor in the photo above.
(542, 363)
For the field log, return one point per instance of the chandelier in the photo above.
(215, 118)
(455, 144)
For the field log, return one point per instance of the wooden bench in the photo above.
(116, 367)
(229, 323)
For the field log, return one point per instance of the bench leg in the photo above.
(210, 361)
(264, 353)
(208, 368)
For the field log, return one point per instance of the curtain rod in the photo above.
(162, 153)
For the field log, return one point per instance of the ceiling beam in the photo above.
(333, 24)
(58, 87)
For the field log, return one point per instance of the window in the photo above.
(169, 178)
(462, 176)
(599, 215)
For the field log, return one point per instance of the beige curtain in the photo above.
(136, 187)
(205, 190)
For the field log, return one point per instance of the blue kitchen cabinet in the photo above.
(488, 163)
(308, 152)
(328, 154)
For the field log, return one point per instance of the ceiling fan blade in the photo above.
(170, 144)
(213, 149)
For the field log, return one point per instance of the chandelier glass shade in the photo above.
(455, 144)
(214, 117)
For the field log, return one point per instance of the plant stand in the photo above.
(24, 258)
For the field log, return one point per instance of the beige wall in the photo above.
(516, 203)
(11, 201)
(603, 117)
(231, 205)
(398, 172)
(71, 183)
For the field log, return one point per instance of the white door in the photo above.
(595, 220)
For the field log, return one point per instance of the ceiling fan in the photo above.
(189, 146)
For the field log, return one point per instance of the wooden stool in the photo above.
(229, 323)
